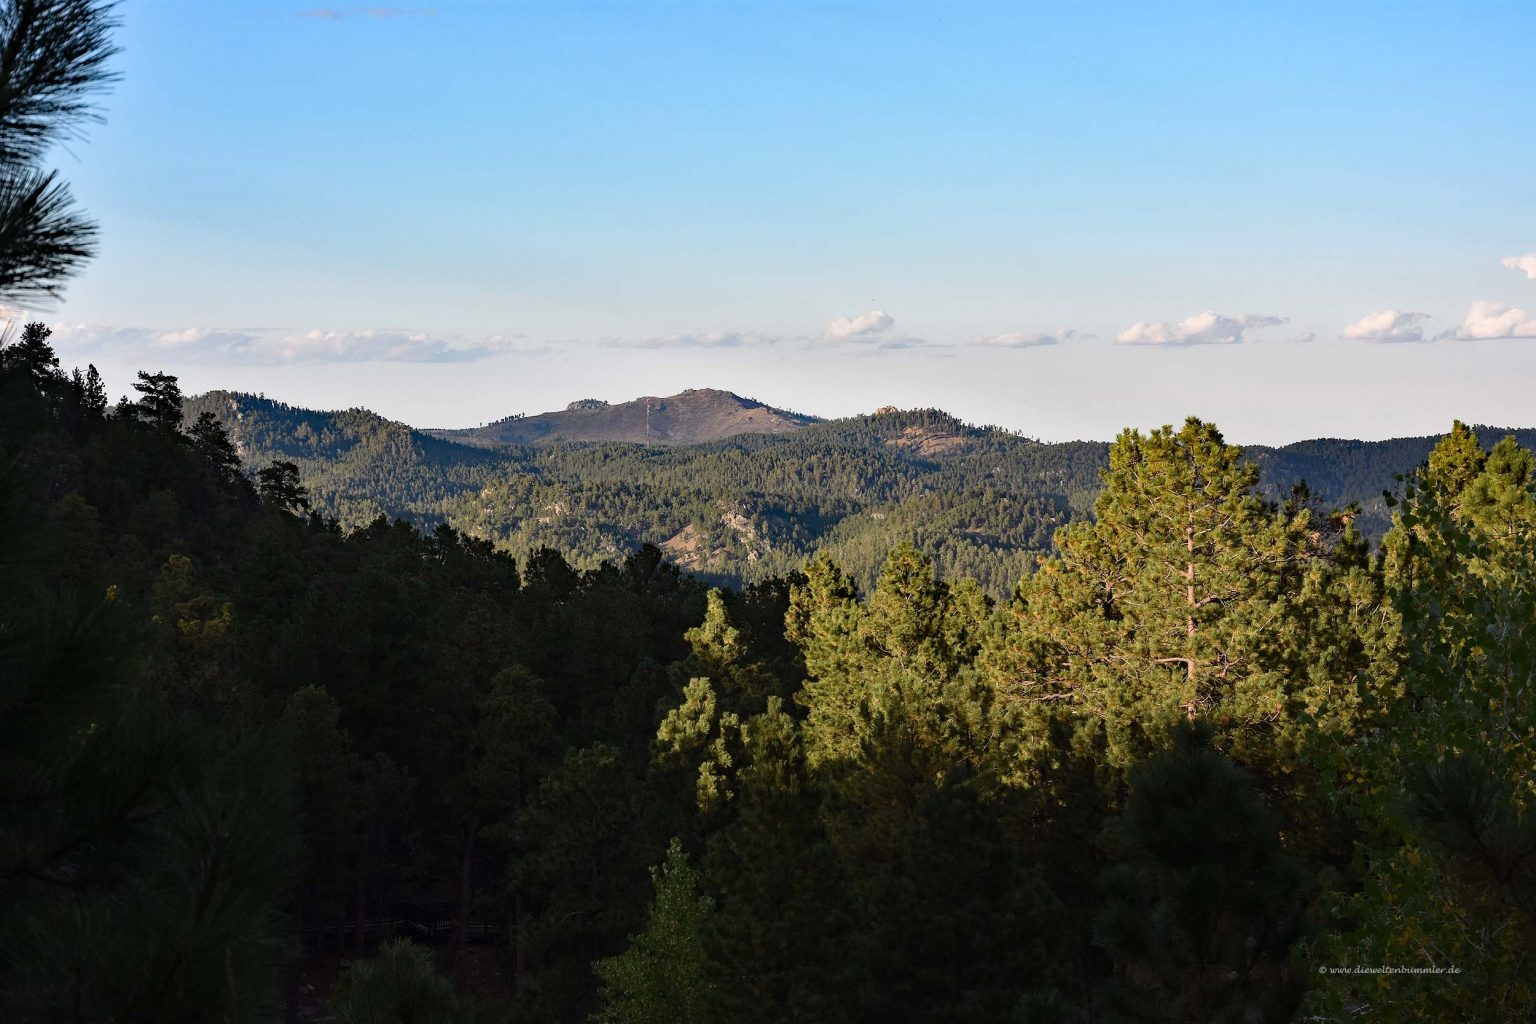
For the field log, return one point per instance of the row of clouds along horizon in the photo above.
(1485, 320)
(876, 329)
(276, 346)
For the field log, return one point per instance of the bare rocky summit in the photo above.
(691, 417)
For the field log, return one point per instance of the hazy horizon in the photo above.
(1295, 222)
(782, 407)
(686, 710)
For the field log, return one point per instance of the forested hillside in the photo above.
(981, 502)
(691, 417)
(1212, 747)
(314, 717)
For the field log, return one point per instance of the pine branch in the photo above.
(43, 239)
(53, 60)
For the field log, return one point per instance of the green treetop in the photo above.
(1186, 596)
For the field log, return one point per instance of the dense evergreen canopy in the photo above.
(1209, 745)
(982, 502)
(979, 732)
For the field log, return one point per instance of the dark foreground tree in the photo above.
(662, 978)
(400, 986)
(160, 401)
(783, 944)
(1201, 904)
(141, 854)
(1448, 884)
(1478, 822)
(278, 485)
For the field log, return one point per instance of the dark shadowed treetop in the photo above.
(160, 403)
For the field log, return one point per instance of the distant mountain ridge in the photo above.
(748, 506)
(694, 416)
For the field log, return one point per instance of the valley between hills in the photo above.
(736, 491)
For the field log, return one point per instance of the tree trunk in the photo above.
(1189, 622)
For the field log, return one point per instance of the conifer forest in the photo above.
(313, 717)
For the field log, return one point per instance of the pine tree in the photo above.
(783, 943)
(34, 389)
(1201, 904)
(95, 393)
(583, 860)
(211, 442)
(513, 744)
(400, 986)
(1475, 818)
(333, 804)
(1186, 596)
(1461, 575)
(915, 636)
(699, 743)
(699, 739)
(160, 400)
(32, 355)
(662, 977)
(278, 485)
(963, 926)
(720, 651)
(822, 614)
(142, 853)
(1443, 886)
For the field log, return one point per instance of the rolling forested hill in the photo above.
(691, 417)
(982, 501)
(245, 744)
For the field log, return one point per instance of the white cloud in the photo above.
(261, 346)
(706, 339)
(1025, 340)
(386, 346)
(1496, 320)
(1525, 264)
(1388, 325)
(1208, 328)
(876, 321)
(89, 338)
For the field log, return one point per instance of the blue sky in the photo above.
(1063, 219)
